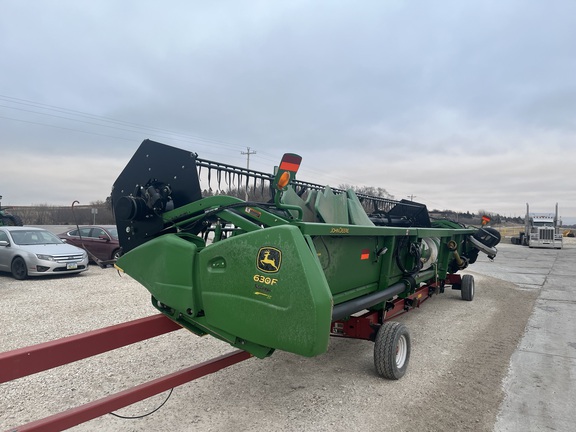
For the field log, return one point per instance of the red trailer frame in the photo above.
(37, 358)
(365, 325)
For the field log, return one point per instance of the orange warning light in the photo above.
(284, 180)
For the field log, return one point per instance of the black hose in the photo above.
(345, 309)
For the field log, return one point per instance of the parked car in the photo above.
(28, 251)
(100, 241)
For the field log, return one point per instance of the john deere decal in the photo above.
(269, 259)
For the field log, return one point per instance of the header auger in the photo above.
(291, 268)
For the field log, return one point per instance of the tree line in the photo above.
(98, 212)
(101, 213)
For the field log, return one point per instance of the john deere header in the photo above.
(274, 272)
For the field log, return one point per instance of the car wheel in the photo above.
(116, 254)
(18, 268)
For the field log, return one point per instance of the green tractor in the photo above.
(8, 219)
(289, 270)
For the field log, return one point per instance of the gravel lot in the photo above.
(460, 355)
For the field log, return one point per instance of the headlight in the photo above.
(45, 257)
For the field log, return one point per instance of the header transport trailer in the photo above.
(288, 270)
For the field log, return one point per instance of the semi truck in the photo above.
(541, 230)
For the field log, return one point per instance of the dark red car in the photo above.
(100, 241)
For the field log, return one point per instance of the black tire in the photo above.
(467, 288)
(392, 350)
(12, 220)
(117, 253)
(19, 269)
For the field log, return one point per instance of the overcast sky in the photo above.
(465, 105)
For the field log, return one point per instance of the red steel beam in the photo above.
(91, 410)
(400, 304)
(37, 358)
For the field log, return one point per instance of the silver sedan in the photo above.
(28, 251)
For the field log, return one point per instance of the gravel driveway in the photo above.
(460, 355)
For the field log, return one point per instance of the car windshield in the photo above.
(33, 237)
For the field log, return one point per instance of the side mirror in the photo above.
(104, 237)
(4, 243)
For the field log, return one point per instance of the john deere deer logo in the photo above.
(269, 259)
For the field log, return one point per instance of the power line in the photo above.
(134, 128)
(47, 107)
(65, 128)
(120, 125)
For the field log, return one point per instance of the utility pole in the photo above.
(247, 153)
(411, 197)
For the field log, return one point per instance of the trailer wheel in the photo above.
(467, 288)
(392, 350)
